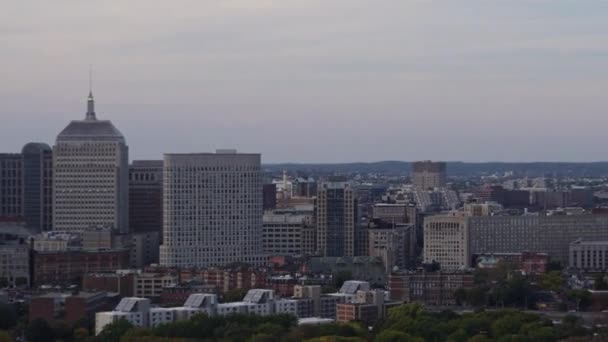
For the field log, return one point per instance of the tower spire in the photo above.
(90, 101)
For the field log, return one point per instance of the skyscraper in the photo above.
(146, 196)
(212, 209)
(428, 174)
(11, 186)
(336, 218)
(90, 175)
(38, 186)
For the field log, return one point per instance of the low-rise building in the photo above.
(151, 285)
(429, 288)
(589, 255)
(68, 267)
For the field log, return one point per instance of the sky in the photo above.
(314, 80)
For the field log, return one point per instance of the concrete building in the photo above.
(446, 241)
(140, 313)
(543, 234)
(56, 241)
(14, 255)
(146, 196)
(90, 175)
(135, 310)
(368, 307)
(212, 209)
(590, 256)
(283, 232)
(151, 285)
(393, 213)
(429, 175)
(394, 244)
(336, 219)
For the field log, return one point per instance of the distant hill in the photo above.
(536, 169)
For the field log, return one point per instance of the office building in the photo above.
(446, 241)
(269, 196)
(11, 186)
(212, 209)
(428, 175)
(14, 255)
(283, 232)
(37, 181)
(428, 288)
(543, 234)
(336, 219)
(90, 175)
(591, 256)
(146, 196)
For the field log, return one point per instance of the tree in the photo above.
(234, 295)
(8, 317)
(461, 296)
(600, 282)
(582, 298)
(80, 334)
(5, 336)
(39, 330)
(114, 331)
(396, 336)
(552, 280)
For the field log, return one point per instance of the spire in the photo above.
(90, 101)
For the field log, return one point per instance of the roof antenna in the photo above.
(90, 101)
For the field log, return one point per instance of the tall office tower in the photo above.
(90, 175)
(428, 174)
(38, 186)
(336, 218)
(146, 196)
(212, 209)
(269, 196)
(11, 186)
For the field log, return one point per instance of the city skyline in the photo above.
(311, 81)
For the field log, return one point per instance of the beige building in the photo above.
(212, 206)
(428, 175)
(150, 285)
(336, 218)
(446, 241)
(90, 176)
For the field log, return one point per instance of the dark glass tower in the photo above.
(38, 185)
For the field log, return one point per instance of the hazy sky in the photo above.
(315, 80)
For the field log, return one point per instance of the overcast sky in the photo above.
(314, 80)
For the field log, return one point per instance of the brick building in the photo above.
(429, 288)
(70, 266)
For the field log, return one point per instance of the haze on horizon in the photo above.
(313, 80)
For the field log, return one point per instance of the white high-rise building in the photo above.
(212, 209)
(90, 175)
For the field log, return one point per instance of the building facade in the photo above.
(283, 233)
(90, 175)
(212, 209)
(11, 186)
(146, 196)
(38, 186)
(429, 288)
(336, 219)
(446, 241)
(429, 175)
(589, 255)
